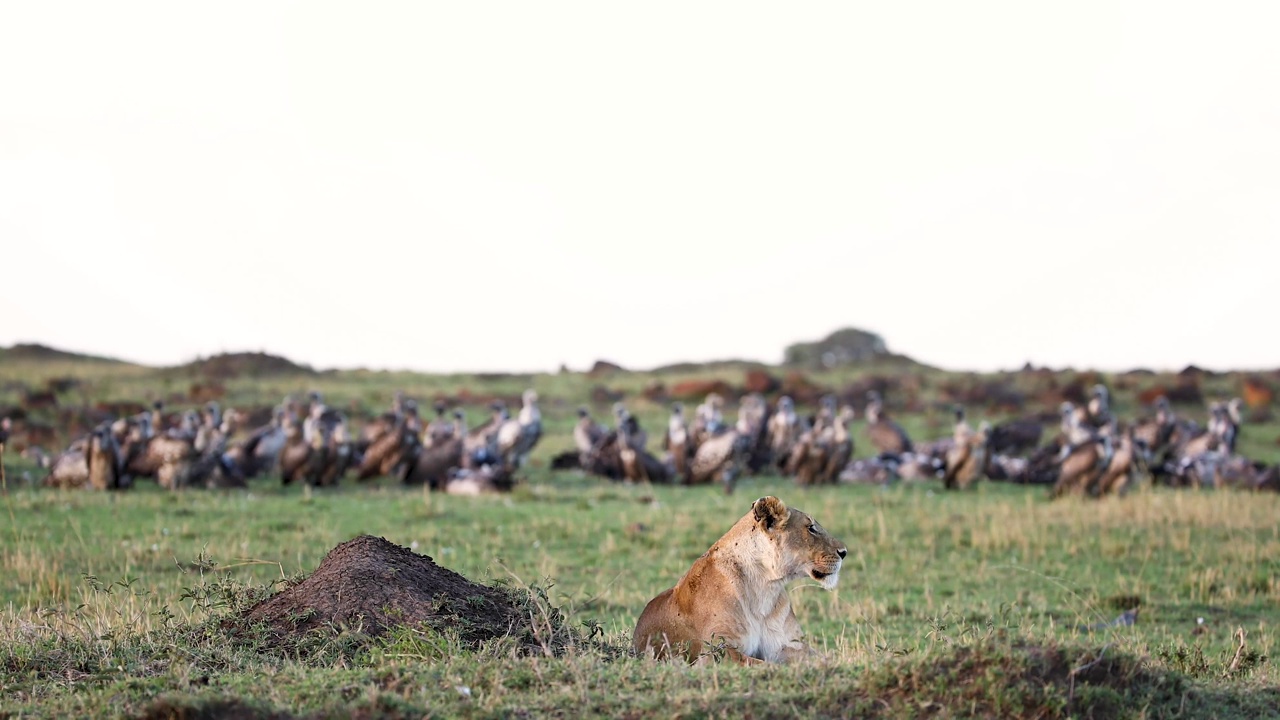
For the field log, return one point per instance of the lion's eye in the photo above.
(813, 528)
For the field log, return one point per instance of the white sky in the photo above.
(510, 186)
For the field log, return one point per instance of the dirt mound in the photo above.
(374, 585)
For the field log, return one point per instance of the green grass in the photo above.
(996, 589)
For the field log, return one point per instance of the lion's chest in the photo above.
(765, 631)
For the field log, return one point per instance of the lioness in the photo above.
(735, 595)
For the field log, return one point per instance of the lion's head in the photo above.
(805, 548)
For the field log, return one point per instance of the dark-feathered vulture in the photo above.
(431, 465)
(887, 436)
(1081, 464)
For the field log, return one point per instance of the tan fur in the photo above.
(735, 595)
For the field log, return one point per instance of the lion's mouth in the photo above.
(819, 575)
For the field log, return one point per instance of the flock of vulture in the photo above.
(311, 444)
(1092, 453)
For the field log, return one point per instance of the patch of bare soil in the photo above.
(372, 585)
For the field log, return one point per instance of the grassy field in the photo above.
(106, 598)
(990, 603)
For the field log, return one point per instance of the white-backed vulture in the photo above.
(967, 457)
(719, 458)
(913, 466)
(708, 419)
(840, 447)
(516, 438)
(587, 432)
(785, 428)
(259, 452)
(1074, 426)
(68, 470)
(676, 441)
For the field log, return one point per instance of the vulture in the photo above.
(157, 417)
(1098, 409)
(481, 444)
(822, 454)
(753, 423)
(826, 414)
(385, 454)
(517, 437)
(752, 415)
(639, 438)
(1224, 424)
(875, 470)
(633, 467)
(919, 466)
(440, 429)
(295, 457)
(676, 441)
(340, 454)
(785, 428)
(167, 457)
(260, 451)
(587, 432)
(1115, 475)
(484, 481)
(1004, 467)
(373, 430)
(1015, 436)
(1074, 426)
(708, 419)
(967, 456)
(1080, 465)
(69, 470)
(886, 436)
(719, 458)
(431, 465)
(840, 447)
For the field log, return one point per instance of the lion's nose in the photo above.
(842, 552)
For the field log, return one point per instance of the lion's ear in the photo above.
(769, 512)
